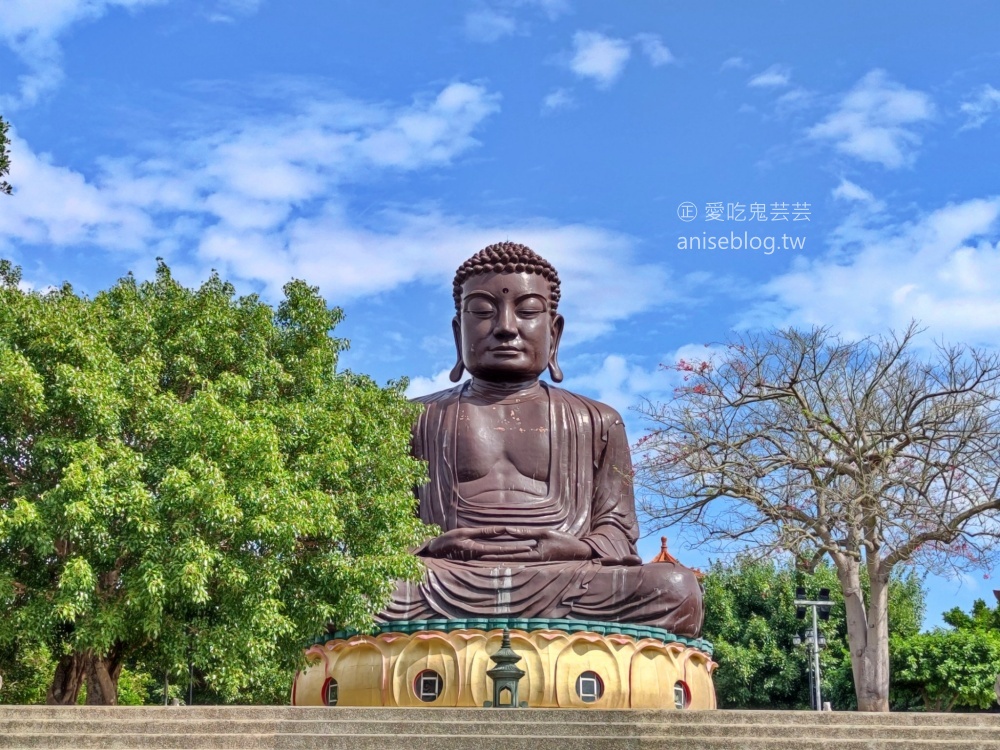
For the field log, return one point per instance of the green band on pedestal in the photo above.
(526, 624)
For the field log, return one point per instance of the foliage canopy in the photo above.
(5, 187)
(952, 668)
(185, 478)
(750, 619)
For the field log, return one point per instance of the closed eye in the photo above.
(481, 308)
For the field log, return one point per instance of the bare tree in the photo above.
(865, 451)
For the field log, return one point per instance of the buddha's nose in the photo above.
(506, 325)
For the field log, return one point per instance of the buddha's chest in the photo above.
(502, 439)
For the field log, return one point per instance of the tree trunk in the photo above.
(867, 633)
(100, 672)
(67, 680)
(102, 680)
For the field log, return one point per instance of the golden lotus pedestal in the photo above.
(568, 664)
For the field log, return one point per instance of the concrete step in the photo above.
(486, 729)
(625, 717)
(294, 728)
(469, 742)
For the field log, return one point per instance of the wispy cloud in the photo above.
(489, 25)
(602, 58)
(55, 206)
(876, 121)
(263, 199)
(558, 99)
(941, 268)
(777, 76)
(492, 20)
(621, 383)
(598, 57)
(253, 174)
(981, 107)
(228, 11)
(421, 386)
(654, 49)
(733, 62)
(624, 383)
(551, 8)
(853, 193)
(31, 28)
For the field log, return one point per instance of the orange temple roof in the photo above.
(665, 556)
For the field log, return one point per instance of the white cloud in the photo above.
(433, 133)
(602, 283)
(875, 121)
(551, 8)
(227, 11)
(261, 200)
(421, 386)
(493, 20)
(653, 48)
(777, 76)
(56, 206)
(247, 176)
(30, 28)
(489, 25)
(241, 6)
(621, 384)
(598, 57)
(624, 384)
(794, 99)
(602, 58)
(851, 192)
(942, 269)
(981, 107)
(558, 99)
(733, 62)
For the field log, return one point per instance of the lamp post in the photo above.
(814, 640)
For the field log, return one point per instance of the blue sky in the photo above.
(371, 147)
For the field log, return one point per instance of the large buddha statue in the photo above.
(529, 483)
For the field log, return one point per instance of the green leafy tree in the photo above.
(982, 617)
(955, 667)
(185, 478)
(750, 619)
(5, 186)
(948, 669)
(26, 670)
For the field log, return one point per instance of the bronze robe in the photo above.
(589, 496)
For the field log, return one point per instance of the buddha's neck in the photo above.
(505, 391)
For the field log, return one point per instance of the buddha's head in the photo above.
(506, 326)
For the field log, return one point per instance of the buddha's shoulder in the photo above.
(597, 410)
(440, 397)
(607, 414)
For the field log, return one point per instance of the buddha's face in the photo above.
(505, 329)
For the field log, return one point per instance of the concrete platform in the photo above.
(477, 729)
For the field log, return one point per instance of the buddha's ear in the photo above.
(456, 372)
(555, 372)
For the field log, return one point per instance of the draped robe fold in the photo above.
(589, 496)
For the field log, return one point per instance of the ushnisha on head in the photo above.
(506, 326)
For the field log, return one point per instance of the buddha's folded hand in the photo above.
(486, 543)
(547, 545)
